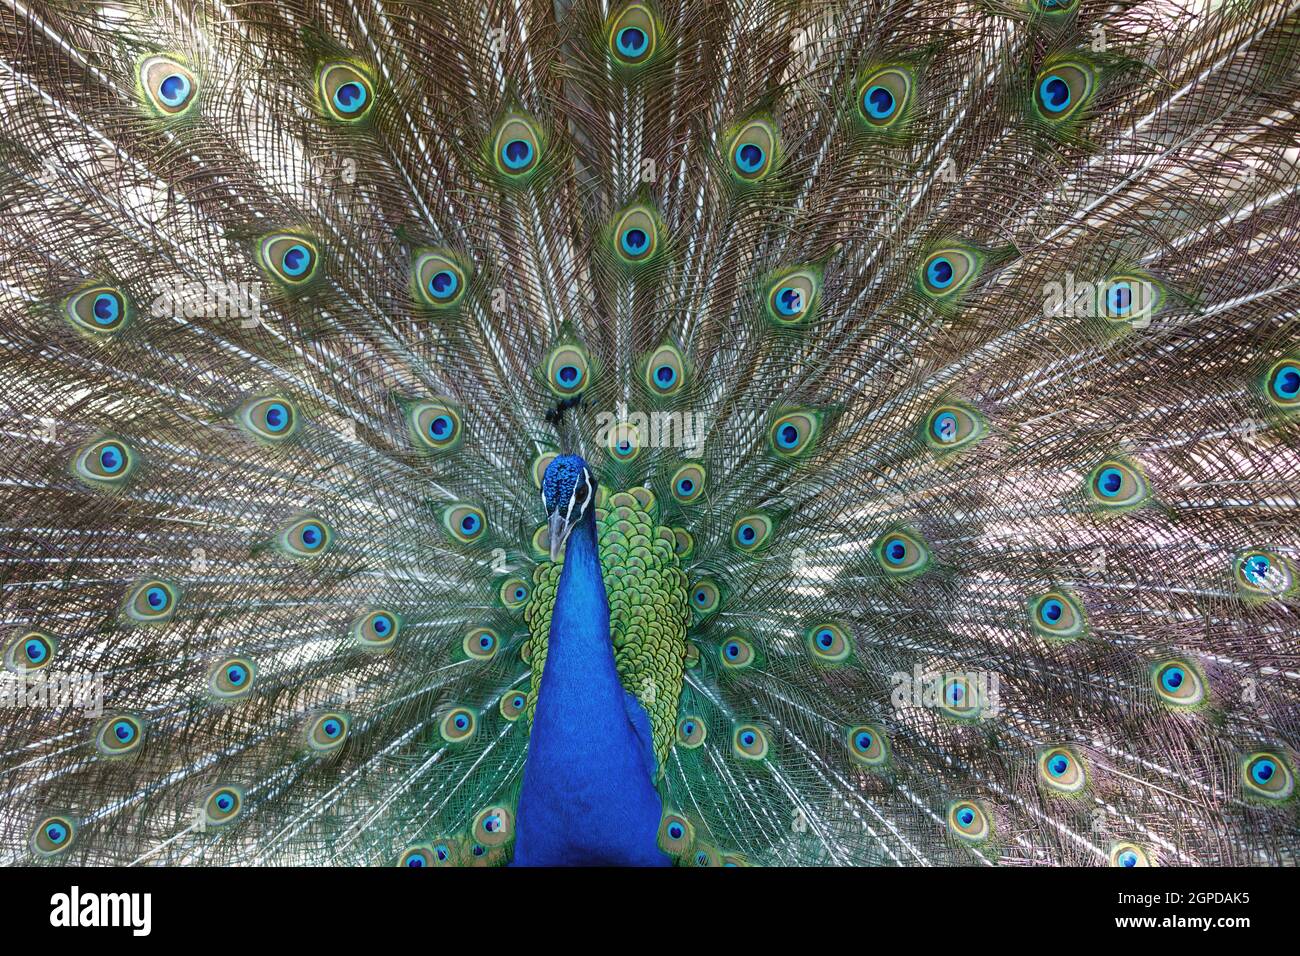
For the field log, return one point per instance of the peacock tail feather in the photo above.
(940, 367)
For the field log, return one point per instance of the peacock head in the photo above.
(568, 490)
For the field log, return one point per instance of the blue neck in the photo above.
(588, 796)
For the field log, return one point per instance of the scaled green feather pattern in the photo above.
(648, 611)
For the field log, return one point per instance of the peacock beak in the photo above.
(559, 528)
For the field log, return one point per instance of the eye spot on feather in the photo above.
(828, 643)
(751, 151)
(736, 653)
(749, 742)
(30, 650)
(513, 704)
(514, 593)
(969, 821)
(1267, 776)
(868, 745)
(376, 630)
(950, 427)
(222, 806)
(1128, 855)
(517, 149)
(100, 310)
(688, 482)
(232, 679)
(1060, 771)
(307, 537)
(568, 370)
(327, 732)
(151, 601)
(1057, 615)
(106, 463)
(481, 643)
(1063, 89)
(466, 523)
(170, 88)
(458, 725)
(346, 92)
(633, 36)
(884, 96)
(902, 555)
(494, 826)
(676, 834)
(119, 735)
(794, 432)
(290, 258)
(1263, 575)
(53, 835)
(691, 732)
(705, 596)
(1116, 485)
(665, 371)
(439, 279)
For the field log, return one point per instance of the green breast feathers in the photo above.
(648, 609)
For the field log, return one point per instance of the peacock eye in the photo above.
(901, 554)
(289, 258)
(231, 679)
(119, 735)
(435, 425)
(1062, 90)
(376, 630)
(104, 463)
(273, 419)
(518, 147)
(480, 643)
(828, 643)
(633, 36)
(883, 97)
(567, 370)
(636, 235)
(169, 87)
(1117, 484)
(1284, 383)
(151, 602)
(102, 310)
(794, 432)
(751, 533)
(1267, 776)
(950, 427)
(438, 279)
(223, 805)
(968, 821)
(749, 742)
(705, 596)
(750, 151)
(465, 522)
(691, 732)
(29, 651)
(1060, 770)
(868, 745)
(514, 593)
(457, 725)
(1128, 855)
(676, 834)
(512, 705)
(1178, 684)
(493, 826)
(305, 538)
(53, 835)
(327, 732)
(346, 92)
(792, 295)
(736, 653)
(946, 272)
(688, 482)
(1057, 615)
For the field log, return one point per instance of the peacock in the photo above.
(647, 433)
